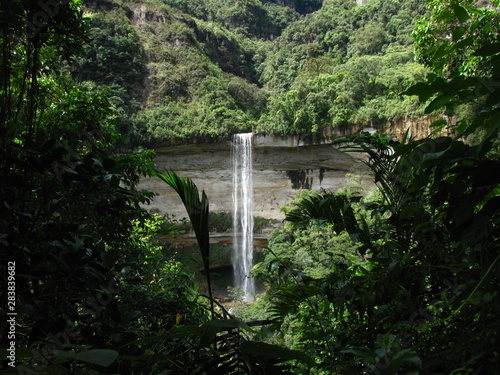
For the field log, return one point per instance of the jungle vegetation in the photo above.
(182, 71)
(401, 282)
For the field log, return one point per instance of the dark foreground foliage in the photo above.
(421, 295)
(85, 287)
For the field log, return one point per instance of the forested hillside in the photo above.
(181, 71)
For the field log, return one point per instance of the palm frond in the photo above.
(383, 161)
(238, 355)
(335, 209)
(197, 207)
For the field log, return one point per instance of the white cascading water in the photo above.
(243, 214)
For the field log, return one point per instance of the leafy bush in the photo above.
(220, 221)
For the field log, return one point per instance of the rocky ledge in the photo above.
(280, 170)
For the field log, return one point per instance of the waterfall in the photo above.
(243, 214)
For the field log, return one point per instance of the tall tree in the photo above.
(69, 202)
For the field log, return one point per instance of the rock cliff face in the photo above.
(281, 168)
(417, 127)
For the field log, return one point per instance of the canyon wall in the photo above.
(281, 167)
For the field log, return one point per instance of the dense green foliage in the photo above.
(86, 289)
(115, 58)
(347, 64)
(421, 294)
(201, 71)
(471, 27)
(426, 270)
(76, 244)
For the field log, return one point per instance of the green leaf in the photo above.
(426, 90)
(458, 33)
(147, 358)
(362, 353)
(488, 50)
(460, 12)
(101, 357)
(226, 323)
(274, 351)
(487, 27)
(439, 102)
(463, 43)
(438, 123)
(442, 51)
(406, 356)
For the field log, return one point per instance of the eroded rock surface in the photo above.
(280, 170)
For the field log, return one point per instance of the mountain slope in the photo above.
(183, 71)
